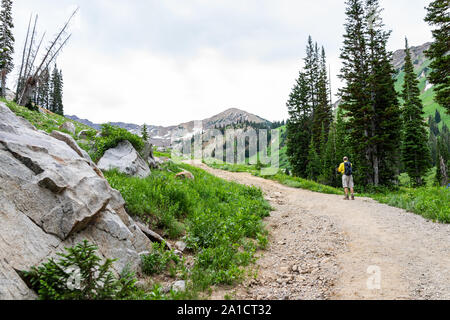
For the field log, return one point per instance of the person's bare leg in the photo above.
(346, 194)
(353, 193)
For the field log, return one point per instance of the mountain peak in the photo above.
(231, 116)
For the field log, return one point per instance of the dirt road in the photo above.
(322, 247)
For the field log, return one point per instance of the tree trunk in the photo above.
(444, 172)
(3, 91)
(376, 170)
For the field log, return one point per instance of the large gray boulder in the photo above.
(125, 159)
(52, 196)
(148, 156)
(68, 126)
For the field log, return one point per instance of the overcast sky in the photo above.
(164, 62)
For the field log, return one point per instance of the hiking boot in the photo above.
(353, 197)
(346, 198)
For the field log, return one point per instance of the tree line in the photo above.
(49, 91)
(382, 131)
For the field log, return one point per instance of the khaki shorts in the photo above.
(347, 182)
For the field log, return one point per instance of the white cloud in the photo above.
(140, 87)
(171, 61)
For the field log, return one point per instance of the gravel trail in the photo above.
(322, 247)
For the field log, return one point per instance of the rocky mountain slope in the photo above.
(161, 136)
(422, 68)
(417, 55)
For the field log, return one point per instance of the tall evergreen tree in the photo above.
(434, 128)
(322, 113)
(313, 168)
(330, 159)
(437, 116)
(6, 42)
(312, 71)
(369, 96)
(299, 126)
(386, 123)
(43, 92)
(415, 152)
(355, 94)
(438, 16)
(56, 92)
(144, 133)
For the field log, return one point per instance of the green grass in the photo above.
(43, 121)
(162, 154)
(220, 221)
(431, 202)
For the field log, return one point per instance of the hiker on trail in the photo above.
(346, 168)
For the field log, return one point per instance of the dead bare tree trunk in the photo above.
(20, 80)
(32, 77)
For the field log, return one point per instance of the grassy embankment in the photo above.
(431, 202)
(220, 221)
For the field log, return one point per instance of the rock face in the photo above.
(149, 157)
(53, 196)
(125, 159)
(417, 55)
(68, 126)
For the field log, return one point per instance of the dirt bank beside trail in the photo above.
(322, 247)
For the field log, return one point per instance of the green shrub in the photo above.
(111, 136)
(79, 275)
(160, 260)
(430, 202)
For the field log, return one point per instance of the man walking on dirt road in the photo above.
(346, 168)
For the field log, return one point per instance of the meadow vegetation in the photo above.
(220, 221)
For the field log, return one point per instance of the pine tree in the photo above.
(343, 145)
(60, 93)
(438, 165)
(437, 117)
(434, 128)
(313, 167)
(310, 112)
(6, 42)
(387, 123)
(144, 133)
(299, 126)
(322, 113)
(330, 159)
(438, 16)
(369, 96)
(44, 90)
(56, 88)
(312, 71)
(415, 152)
(432, 145)
(355, 94)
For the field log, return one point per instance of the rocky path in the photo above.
(322, 247)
